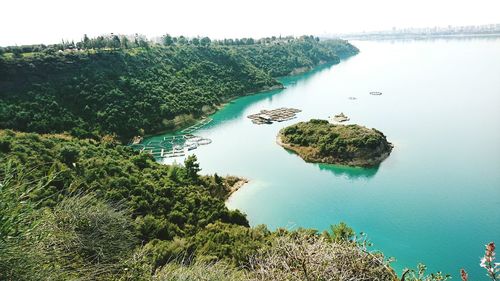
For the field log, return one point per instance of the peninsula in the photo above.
(319, 141)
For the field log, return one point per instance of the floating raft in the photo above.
(270, 116)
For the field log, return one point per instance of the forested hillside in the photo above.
(114, 86)
(296, 56)
(86, 210)
(81, 209)
(74, 180)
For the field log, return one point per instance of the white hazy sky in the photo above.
(49, 21)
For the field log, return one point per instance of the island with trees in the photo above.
(319, 141)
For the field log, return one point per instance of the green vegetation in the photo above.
(320, 141)
(74, 208)
(165, 201)
(87, 210)
(81, 206)
(286, 56)
(129, 86)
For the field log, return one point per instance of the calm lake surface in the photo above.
(436, 199)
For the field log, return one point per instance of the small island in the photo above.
(319, 141)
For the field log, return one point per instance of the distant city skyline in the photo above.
(485, 29)
(34, 21)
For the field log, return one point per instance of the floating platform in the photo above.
(275, 115)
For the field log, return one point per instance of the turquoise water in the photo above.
(436, 199)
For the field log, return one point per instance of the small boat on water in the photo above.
(375, 93)
(352, 98)
(340, 118)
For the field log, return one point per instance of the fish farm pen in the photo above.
(175, 145)
(278, 115)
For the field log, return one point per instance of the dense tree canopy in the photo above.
(284, 56)
(321, 141)
(165, 201)
(111, 85)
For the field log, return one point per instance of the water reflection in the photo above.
(352, 173)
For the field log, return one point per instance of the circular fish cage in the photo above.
(195, 139)
(204, 141)
(166, 143)
(172, 146)
(191, 145)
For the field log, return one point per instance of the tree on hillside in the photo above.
(125, 43)
(205, 41)
(86, 42)
(115, 42)
(167, 40)
(143, 43)
(182, 40)
(192, 167)
(99, 42)
(342, 232)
